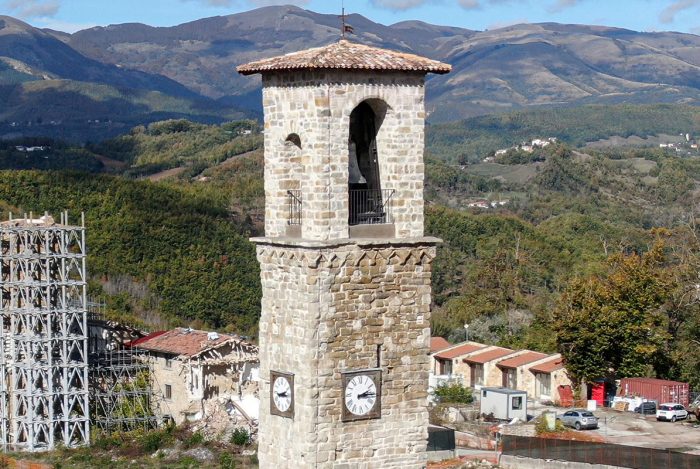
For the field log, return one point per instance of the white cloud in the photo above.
(470, 4)
(561, 5)
(557, 6)
(477, 4)
(668, 14)
(398, 5)
(32, 8)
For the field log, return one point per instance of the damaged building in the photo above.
(195, 371)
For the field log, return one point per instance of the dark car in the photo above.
(646, 408)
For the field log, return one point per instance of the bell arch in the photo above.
(364, 166)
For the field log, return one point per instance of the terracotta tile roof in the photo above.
(181, 341)
(556, 363)
(438, 343)
(489, 355)
(520, 360)
(346, 55)
(139, 341)
(460, 350)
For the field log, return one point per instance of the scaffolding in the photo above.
(43, 334)
(120, 381)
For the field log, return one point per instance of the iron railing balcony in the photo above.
(370, 206)
(294, 205)
(367, 207)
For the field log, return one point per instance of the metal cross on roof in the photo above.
(345, 28)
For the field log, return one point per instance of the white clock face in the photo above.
(360, 394)
(282, 393)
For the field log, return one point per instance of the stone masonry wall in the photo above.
(530, 383)
(344, 308)
(288, 341)
(316, 106)
(178, 376)
(493, 375)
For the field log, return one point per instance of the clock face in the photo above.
(282, 394)
(362, 395)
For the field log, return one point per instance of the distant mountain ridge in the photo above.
(43, 51)
(516, 67)
(48, 88)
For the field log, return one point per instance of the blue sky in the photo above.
(640, 15)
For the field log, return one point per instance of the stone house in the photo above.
(190, 367)
(481, 366)
(474, 365)
(545, 378)
(449, 361)
(514, 369)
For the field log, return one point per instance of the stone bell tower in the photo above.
(345, 265)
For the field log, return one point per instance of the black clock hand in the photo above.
(366, 394)
(282, 394)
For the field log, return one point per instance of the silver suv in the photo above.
(579, 418)
(671, 411)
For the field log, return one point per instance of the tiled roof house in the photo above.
(191, 366)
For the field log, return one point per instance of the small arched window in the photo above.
(293, 139)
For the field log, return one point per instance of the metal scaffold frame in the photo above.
(43, 331)
(120, 381)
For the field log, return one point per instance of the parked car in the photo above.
(579, 418)
(646, 408)
(671, 411)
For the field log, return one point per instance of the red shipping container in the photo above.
(659, 390)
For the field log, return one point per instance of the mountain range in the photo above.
(141, 72)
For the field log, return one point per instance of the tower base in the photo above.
(335, 307)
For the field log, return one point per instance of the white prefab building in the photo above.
(504, 403)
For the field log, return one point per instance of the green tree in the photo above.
(674, 181)
(615, 324)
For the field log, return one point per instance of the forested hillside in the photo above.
(471, 140)
(518, 273)
(176, 251)
(196, 262)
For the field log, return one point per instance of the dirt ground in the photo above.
(628, 428)
(168, 173)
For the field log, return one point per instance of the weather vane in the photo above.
(345, 28)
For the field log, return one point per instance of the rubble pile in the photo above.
(221, 417)
(482, 464)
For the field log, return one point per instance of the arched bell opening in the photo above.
(367, 200)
